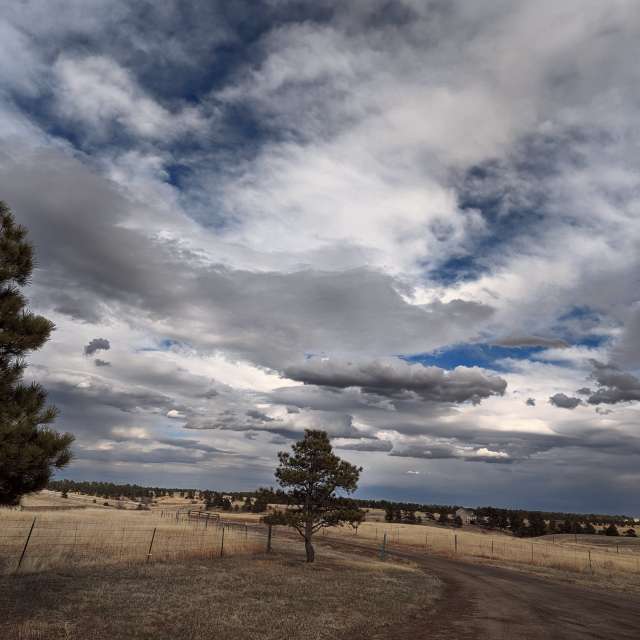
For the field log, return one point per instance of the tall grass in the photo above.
(542, 552)
(97, 536)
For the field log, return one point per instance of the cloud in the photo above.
(357, 181)
(396, 378)
(364, 445)
(531, 341)
(564, 402)
(97, 344)
(101, 95)
(445, 451)
(614, 385)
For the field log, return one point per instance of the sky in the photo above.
(413, 224)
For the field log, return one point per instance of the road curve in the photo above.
(492, 603)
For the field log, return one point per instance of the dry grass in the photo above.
(264, 597)
(95, 536)
(595, 558)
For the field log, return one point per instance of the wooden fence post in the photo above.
(153, 535)
(455, 543)
(26, 544)
(269, 538)
(383, 546)
(222, 543)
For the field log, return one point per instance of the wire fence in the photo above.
(543, 553)
(39, 543)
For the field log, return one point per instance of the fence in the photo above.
(542, 553)
(43, 542)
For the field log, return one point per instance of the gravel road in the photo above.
(492, 603)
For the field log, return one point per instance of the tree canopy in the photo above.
(311, 476)
(29, 448)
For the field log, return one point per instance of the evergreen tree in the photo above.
(311, 475)
(29, 448)
(611, 530)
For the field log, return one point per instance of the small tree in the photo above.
(611, 530)
(311, 475)
(29, 448)
(457, 522)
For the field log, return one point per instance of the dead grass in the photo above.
(595, 559)
(95, 536)
(264, 597)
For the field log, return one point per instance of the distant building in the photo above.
(466, 515)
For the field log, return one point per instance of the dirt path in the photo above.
(492, 603)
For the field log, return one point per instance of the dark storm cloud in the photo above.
(445, 451)
(97, 344)
(531, 341)
(366, 445)
(564, 401)
(396, 378)
(159, 455)
(267, 317)
(614, 385)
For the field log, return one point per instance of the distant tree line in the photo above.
(519, 522)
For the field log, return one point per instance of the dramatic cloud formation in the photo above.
(396, 378)
(412, 224)
(564, 401)
(613, 385)
(97, 344)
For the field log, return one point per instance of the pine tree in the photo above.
(29, 448)
(311, 475)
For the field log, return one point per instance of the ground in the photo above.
(265, 597)
(484, 602)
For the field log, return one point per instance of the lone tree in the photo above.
(310, 476)
(29, 448)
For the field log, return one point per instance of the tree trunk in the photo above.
(308, 547)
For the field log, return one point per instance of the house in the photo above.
(466, 515)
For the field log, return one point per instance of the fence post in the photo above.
(153, 535)
(492, 548)
(590, 567)
(269, 538)
(222, 543)
(532, 553)
(383, 546)
(26, 544)
(455, 543)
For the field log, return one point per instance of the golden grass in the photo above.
(259, 598)
(542, 552)
(99, 536)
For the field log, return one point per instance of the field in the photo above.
(241, 598)
(48, 539)
(598, 555)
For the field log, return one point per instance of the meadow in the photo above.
(35, 541)
(594, 554)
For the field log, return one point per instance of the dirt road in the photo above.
(491, 603)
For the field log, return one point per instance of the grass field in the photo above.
(99, 536)
(595, 554)
(258, 598)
